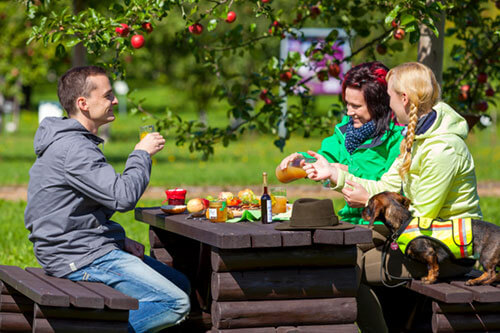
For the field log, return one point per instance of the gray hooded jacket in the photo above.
(72, 194)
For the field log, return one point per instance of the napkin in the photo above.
(255, 215)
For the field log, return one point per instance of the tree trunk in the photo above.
(79, 51)
(431, 48)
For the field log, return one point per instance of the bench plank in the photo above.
(443, 292)
(15, 303)
(15, 322)
(78, 326)
(31, 286)
(480, 293)
(75, 313)
(113, 298)
(78, 296)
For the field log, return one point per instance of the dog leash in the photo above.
(389, 243)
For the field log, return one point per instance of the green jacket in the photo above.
(370, 160)
(441, 182)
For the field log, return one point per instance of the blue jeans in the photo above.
(161, 290)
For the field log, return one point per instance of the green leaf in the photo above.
(212, 24)
(252, 27)
(406, 19)
(60, 50)
(392, 15)
(332, 36)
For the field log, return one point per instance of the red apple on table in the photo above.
(123, 30)
(148, 27)
(231, 17)
(482, 77)
(399, 34)
(196, 29)
(137, 41)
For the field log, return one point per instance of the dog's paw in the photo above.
(427, 280)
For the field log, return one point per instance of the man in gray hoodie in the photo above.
(73, 192)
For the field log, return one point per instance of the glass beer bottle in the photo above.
(265, 202)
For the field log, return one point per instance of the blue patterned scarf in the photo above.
(354, 137)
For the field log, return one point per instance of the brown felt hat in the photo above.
(310, 214)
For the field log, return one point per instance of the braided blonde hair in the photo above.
(419, 84)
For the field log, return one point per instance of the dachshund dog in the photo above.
(392, 209)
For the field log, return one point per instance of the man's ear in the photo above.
(81, 103)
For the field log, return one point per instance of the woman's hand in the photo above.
(357, 196)
(288, 159)
(321, 169)
(134, 248)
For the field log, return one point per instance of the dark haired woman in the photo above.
(367, 139)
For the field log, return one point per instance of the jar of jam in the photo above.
(217, 211)
(176, 196)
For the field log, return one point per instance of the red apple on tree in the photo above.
(481, 106)
(482, 77)
(196, 29)
(394, 24)
(334, 70)
(266, 1)
(123, 30)
(399, 34)
(231, 17)
(490, 92)
(286, 76)
(381, 49)
(137, 41)
(322, 75)
(263, 96)
(315, 11)
(148, 27)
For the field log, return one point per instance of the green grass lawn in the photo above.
(241, 163)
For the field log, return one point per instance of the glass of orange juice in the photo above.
(293, 171)
(145, 130)
(279, 194)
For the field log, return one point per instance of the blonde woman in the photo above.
(435, 169)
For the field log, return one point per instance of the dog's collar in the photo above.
(401, 229)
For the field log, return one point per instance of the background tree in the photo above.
(227, 50)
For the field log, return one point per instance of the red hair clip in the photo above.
(381, 73)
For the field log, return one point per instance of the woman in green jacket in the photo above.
(367, 140)
(435, 170)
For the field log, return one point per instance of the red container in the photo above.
(176, 196)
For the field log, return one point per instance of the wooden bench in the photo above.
(34, 302)
(456, 307)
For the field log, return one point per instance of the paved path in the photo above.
(485, 189)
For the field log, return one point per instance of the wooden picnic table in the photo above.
(247, 275)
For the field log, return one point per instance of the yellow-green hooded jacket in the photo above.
(441, 182)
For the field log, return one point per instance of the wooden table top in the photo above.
(247, 234)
